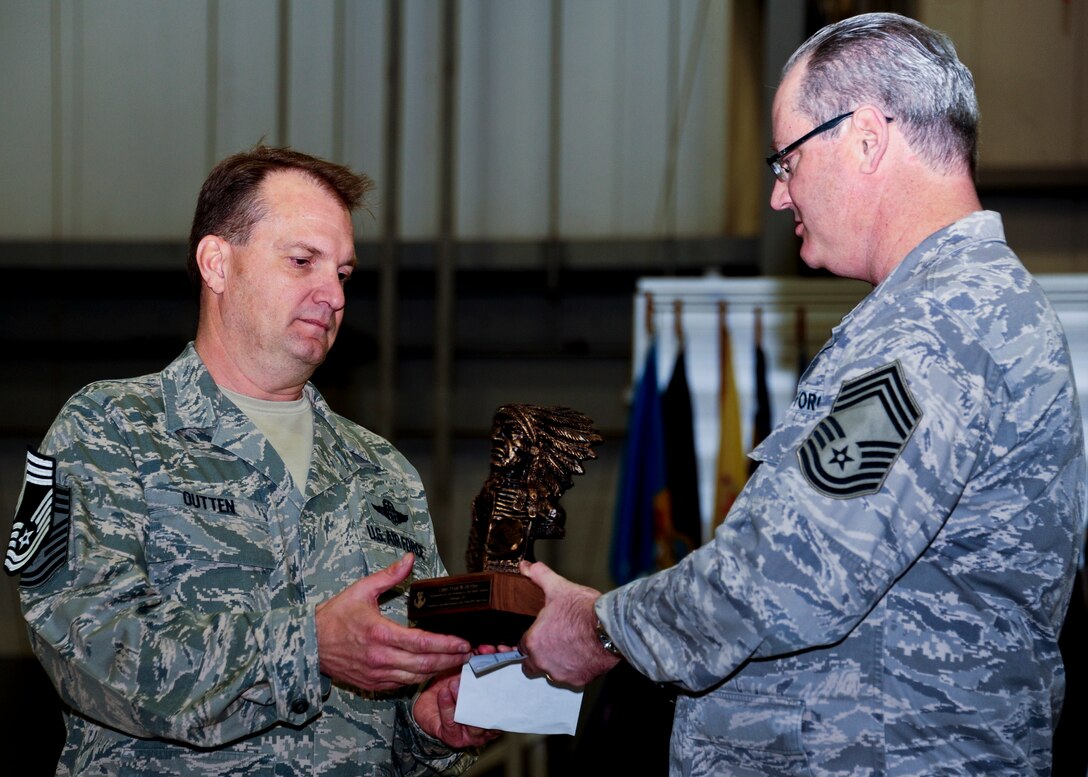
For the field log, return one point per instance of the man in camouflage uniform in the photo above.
(886, 593)
(212, 562)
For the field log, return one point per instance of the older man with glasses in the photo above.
(885, 595)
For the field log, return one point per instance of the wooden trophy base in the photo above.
(486, 608)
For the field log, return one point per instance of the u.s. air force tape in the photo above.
(850, 452)
(39, 535)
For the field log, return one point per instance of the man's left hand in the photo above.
(434, 710)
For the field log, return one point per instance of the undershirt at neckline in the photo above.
(288, 427)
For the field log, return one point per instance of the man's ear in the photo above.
(873, 135)
(212, 254)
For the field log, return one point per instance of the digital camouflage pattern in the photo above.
(181, 630)
(907, 626)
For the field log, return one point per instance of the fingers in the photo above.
(447, 702)
(421, 653)
(423, 642)
(360, 645)
(452, 731)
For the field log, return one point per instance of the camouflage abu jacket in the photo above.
(886, 593)
(178, 622)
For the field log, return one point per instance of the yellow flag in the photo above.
(732, 463)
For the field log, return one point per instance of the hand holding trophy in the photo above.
(535, 453)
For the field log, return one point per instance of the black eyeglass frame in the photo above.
(774, 161)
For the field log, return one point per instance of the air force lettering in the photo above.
(39, 534)
(850, 452)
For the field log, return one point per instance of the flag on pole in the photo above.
(761, 420)
(642, 501)
(681, 469)
(802, 344)
(732, 464)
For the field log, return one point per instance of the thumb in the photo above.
(539, 572)
(393, 575)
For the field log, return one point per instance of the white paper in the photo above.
(506, 700)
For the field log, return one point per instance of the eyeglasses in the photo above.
(781, 169)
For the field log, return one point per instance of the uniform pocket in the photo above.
(156, 759)
(211, 553)
(740, 734)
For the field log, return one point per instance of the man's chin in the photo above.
(311, 351)
(810, 258)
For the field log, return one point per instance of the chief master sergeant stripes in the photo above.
(872, 419)
(221, 592)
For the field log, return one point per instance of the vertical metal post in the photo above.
(553, 251)
(445, 270)
(387, 262)
(283, 73)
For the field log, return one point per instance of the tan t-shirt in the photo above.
(288, 426)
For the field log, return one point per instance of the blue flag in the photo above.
(642, 501)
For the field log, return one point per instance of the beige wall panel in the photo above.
(245, 93)
(148, 94)
(364, 100)
(700, 184)
(26, 94)
(614, 113)
(312, 85)
(1028, 60)
(504, 119)
(420, 81)
(139, 75)
(633, 147)
(619, 99)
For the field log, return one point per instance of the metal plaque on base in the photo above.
(493, 608)
(535, 453)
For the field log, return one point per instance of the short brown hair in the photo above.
(229, 204)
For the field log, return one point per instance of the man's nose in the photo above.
(330, 291)
(780, 195)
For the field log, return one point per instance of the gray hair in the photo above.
(904, 68)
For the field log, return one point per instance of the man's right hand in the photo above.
(562, 643)
(360, 646)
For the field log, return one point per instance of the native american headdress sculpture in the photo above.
(536, 451)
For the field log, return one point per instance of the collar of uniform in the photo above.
(977, 226)
(190, 397)
(982, 225)
(192, 400)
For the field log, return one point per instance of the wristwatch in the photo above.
(606, 641)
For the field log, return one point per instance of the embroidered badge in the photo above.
(39, 535)
(850, 452)
(391, 512)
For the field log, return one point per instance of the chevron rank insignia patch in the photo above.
(850, 452)
(39, 535)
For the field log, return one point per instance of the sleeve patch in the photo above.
(39, 534)
(850, 452)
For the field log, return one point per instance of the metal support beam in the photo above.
(445, 270)
(387, 263)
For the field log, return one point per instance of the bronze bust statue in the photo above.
(535, 453)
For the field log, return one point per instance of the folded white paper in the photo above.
(506, 700)
(489, 662)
